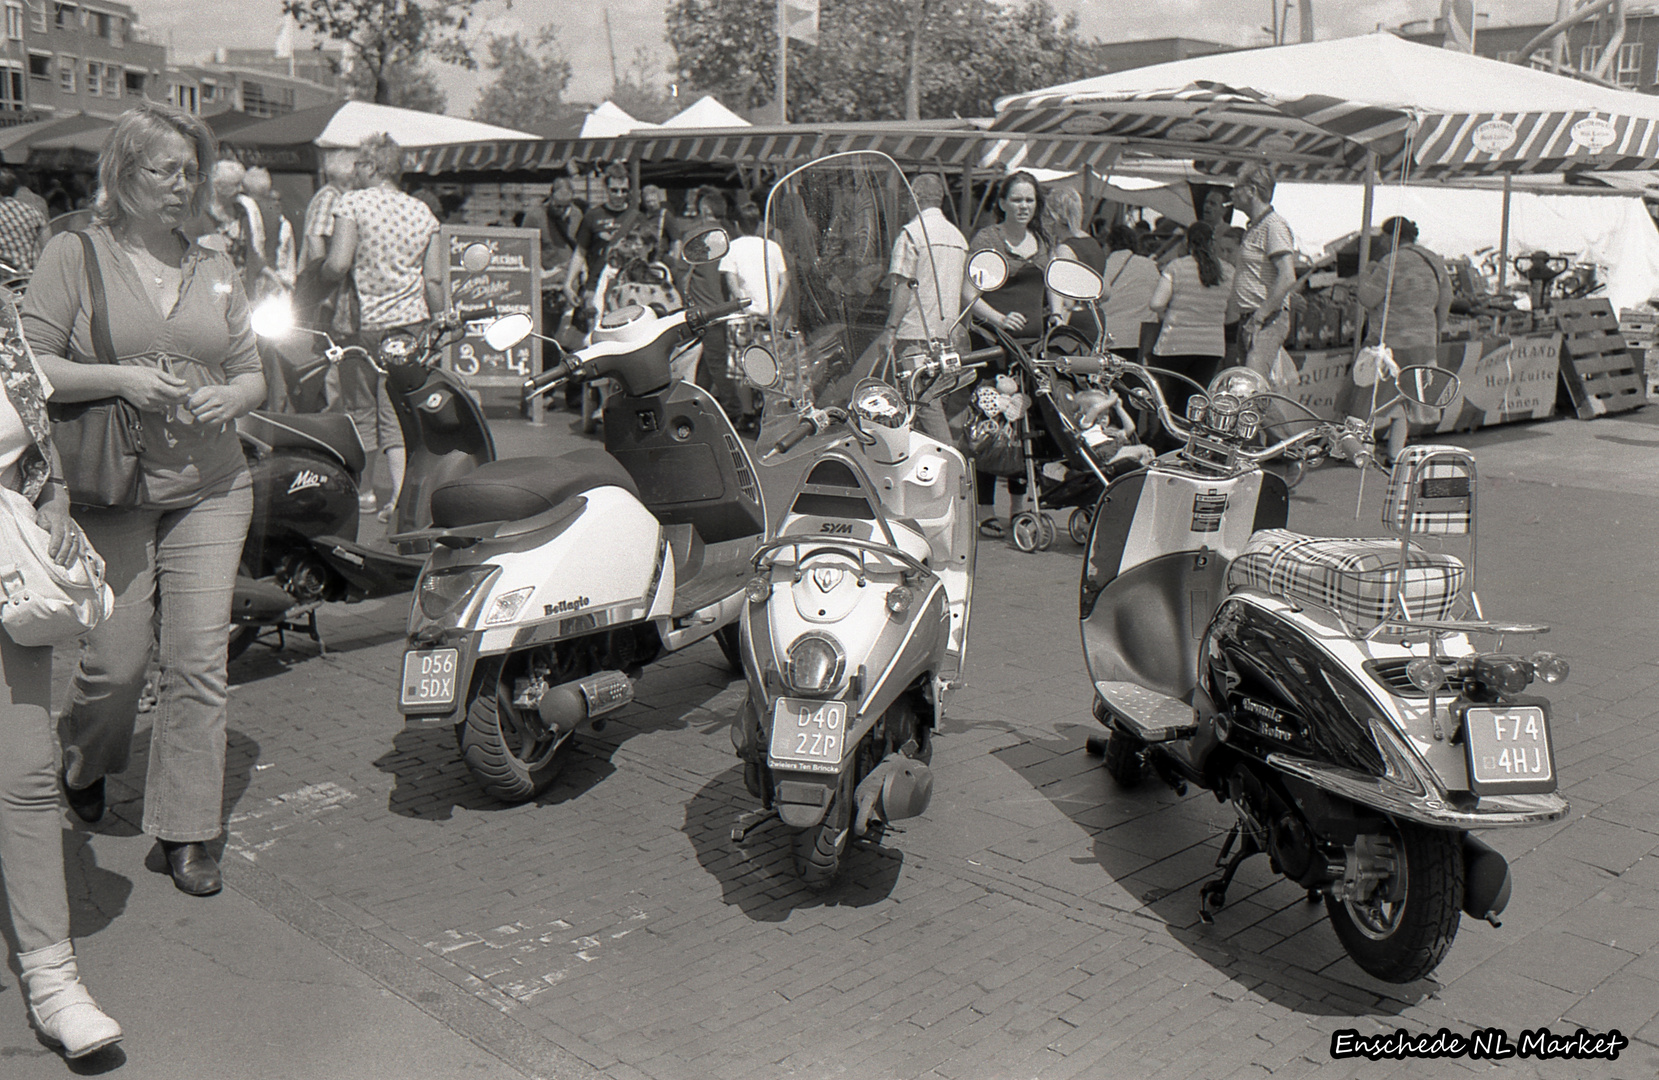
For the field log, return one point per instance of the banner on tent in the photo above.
(511, 284)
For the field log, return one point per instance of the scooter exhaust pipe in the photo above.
(565, 706)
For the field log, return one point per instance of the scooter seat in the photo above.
(1355, 578)
(330, 432)
(516, 488)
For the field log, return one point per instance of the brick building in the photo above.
(1634, 67)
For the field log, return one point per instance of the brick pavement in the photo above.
(1035, 922)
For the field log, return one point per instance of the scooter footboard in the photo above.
(1148, 622)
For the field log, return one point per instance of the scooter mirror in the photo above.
(760, 367)
(1073, 280)
(988, 271)
(508, 331)
(705, 247)
(272, 318)
(1428, 385)
(475, 258)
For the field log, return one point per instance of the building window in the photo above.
(112, 80)
(119, 37)
(1627, 71)
(38, 22)
(210, 90)
(100, 23)
(94, 78)
(67, 66)
(135, 83)
(14, 22)
(68, 16)
(40, 66)
(11, 86)
(185, 97)
(261, 100)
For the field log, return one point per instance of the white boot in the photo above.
(60, 1006)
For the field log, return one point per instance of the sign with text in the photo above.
(511, 284)
(1501, 380)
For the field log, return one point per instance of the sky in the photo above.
(195, 28)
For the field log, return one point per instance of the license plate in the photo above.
(1509, 750)
(809, 735)
(429, 678)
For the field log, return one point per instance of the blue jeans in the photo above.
(31, 817)
(173, 572)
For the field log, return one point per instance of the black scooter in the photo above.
(302, 549)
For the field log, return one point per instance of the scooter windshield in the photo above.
(844, 224)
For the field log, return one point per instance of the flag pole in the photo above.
(783, 67)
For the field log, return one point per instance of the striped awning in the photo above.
(911, 145)
(1451, 145)
(1219, 125)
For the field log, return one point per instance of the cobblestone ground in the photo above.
(1036, 922)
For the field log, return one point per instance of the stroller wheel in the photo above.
(1078, 525)
(1046, 536)
(1028, 531)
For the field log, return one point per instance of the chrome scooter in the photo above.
(1330, 689)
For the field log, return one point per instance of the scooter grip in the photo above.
(793, 439)
(474, 314)
(1354, 450)
(981, 356)
(547, 378)
(704, 316)
(1082, 365)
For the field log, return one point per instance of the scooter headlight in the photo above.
(759, 589)
(816, 664)
(1549, 667)
(899, 599)
(445, 593)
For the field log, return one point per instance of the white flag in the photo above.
(800, 20)
(285, 40)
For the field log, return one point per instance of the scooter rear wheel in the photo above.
(818, 852)
(1402, 932)
(512, 756)
(730, 646)
(1125, 759)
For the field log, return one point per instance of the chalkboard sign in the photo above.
(511, 284)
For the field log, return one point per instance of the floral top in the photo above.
(27, 391)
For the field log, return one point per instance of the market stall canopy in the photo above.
(16, 143)
(77, 150)
(1613, 231)
(705, 112)
(607, 121)
(1309, 107)
(290, 142)
(914, 144)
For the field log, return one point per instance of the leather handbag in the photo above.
(42, 603)
(99, 442)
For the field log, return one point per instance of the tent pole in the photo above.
(1366, 209)
(1503, 234)
(965, 200)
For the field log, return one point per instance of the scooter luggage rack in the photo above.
(826, 545)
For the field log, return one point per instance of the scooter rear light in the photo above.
(1426, 675)
(816, 664)
(1505, 675)
(1549, 667)
(445, 593)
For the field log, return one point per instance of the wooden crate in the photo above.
(1599, 370)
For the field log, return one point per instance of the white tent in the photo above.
(705, 112)
(357, 120)
(608, 121)
(1613, 231)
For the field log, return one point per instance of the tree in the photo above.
(638, 91)
(967, 54)
(530, 82)
(389, 37)
(407, 86)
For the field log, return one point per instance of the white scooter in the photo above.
(856, 623)
(554, 580)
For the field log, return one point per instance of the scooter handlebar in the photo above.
(981, 356)
(793, 439)
(700, 317)
(555, 374)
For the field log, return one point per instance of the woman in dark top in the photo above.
(1017, 307)
(1063, 222)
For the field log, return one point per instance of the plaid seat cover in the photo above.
(1355, 578)
(1437, 512)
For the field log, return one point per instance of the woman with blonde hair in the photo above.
(173, 325)
(1063, 221)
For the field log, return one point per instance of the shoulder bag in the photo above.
(42, 603)
(99, 442)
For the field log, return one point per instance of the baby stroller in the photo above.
(1076, 437)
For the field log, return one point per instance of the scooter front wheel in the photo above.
(1402, 930)
(513, 756)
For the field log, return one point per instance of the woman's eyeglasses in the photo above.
(169, 177)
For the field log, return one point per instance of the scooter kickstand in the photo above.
(1213, 896)
(747, 823)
